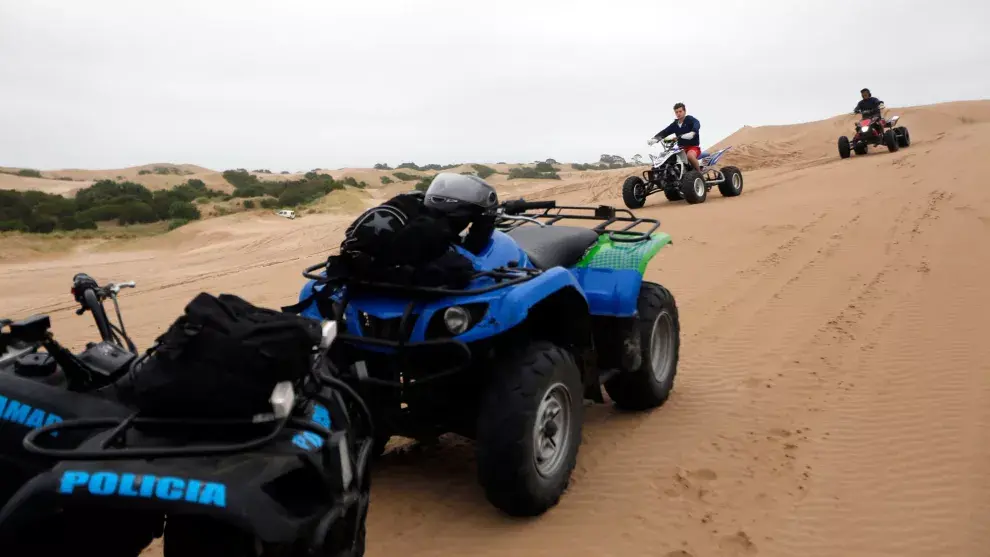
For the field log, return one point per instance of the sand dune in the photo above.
(834, 390)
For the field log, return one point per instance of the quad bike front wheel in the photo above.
(693, 187)
(860, 148)
(733, 184)
(634, 192)
(844, 149)
(672, 194)
(659, 330)
(903, 137)
(890, 140)
(529, 429)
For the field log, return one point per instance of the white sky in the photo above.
(294, 85)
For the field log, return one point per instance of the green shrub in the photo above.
(424, 183)
(248, 204)
(183, 210)
(533, 173)
(12, 226)
(76, 222)
(386, 180)
(434, 167)
(175, 223)
(29, 173)
(406, 177)
(269, 203)
(483, 171)
(351, 181)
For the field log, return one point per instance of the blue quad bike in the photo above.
(83, 472)
(553, 314)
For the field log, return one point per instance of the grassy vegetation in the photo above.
(541, 171)
(406, 177)
(386, 180)
(164, 171)
(427, 167)
(287, 193)
(106, 200)
(607, 162)
(483, 171)
(424, 183)
(24, 172)
(63, 239)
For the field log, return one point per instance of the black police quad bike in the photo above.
(105, 450)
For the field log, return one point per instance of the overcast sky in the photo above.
(295, 85)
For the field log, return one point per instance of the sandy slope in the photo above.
(834, 388)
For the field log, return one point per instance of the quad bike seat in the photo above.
(554, 246)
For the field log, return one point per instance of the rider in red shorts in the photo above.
(687, 129)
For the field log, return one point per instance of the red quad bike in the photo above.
(873, 129)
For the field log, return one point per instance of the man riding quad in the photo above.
(872, 128)
(687, 128)
(869, 104)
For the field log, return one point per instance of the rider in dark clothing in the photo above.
(868, 104)
(688, 133)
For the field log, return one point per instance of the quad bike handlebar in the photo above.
(34, 332)
(91, 296)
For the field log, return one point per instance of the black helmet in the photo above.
(461, 194)
(465, 200)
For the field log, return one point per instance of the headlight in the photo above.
(864, 129)
(457, 319)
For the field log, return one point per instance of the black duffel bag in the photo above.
(401, 242)
(221, 359)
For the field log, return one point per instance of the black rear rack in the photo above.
(107, 450)
(607, 214)
(502, 277)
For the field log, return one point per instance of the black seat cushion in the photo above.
(554, 246)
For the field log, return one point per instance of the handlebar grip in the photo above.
(82, 282)
(99, 315)
(520, 205)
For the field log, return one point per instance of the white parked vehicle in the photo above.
(673, 174)
(287, 213)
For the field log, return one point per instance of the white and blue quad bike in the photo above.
(673, 174)
(553, 314)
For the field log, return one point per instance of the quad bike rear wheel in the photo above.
(733, 184)
(634, 192)
(843, 147)
(529, 429)
(693, 187)
(890, 140)
(903, 137)
(659, 335)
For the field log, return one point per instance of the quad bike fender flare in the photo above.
(611, 273)
(555, 297)
(714, 157)
(86, 487)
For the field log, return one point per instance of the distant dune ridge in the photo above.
(752, 148)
